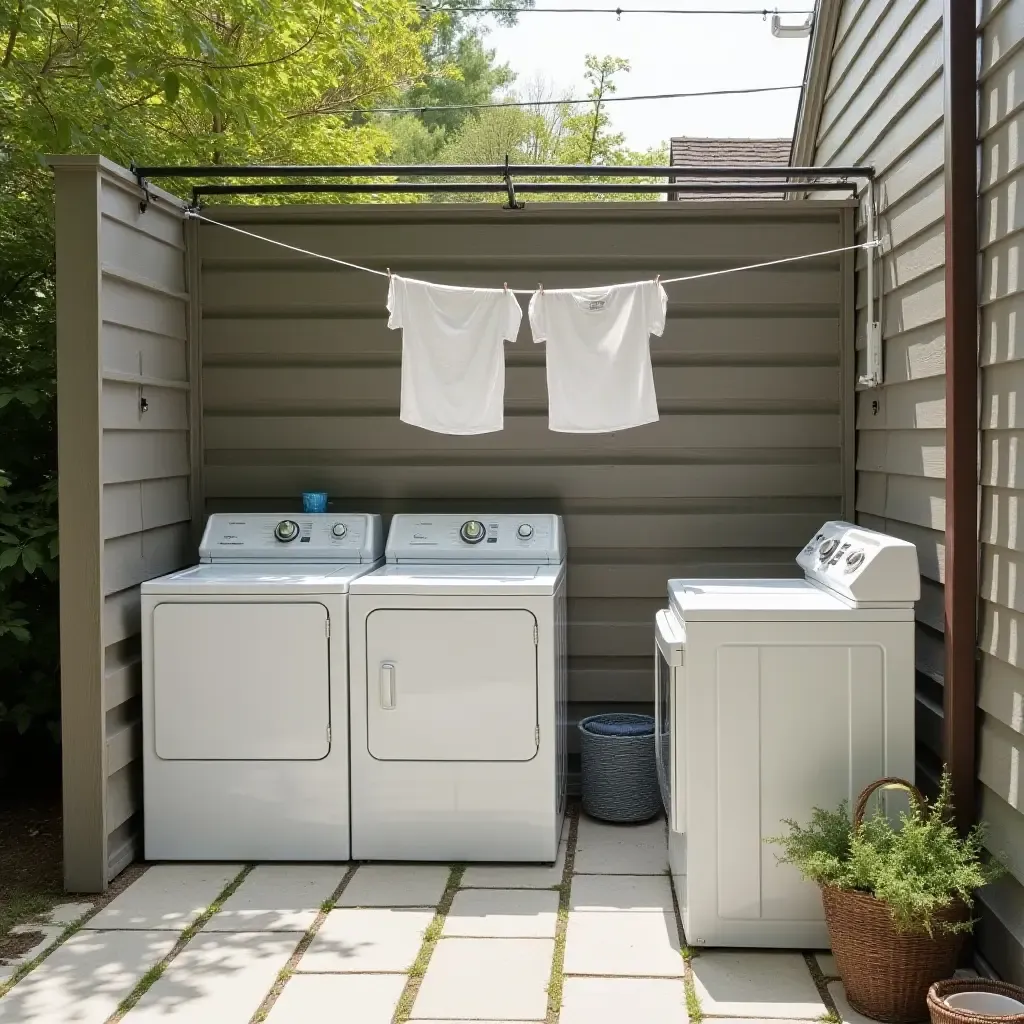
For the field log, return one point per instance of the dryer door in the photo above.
(241, 681)
(454, 684)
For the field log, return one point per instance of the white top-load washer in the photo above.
(458, 691)
(773, 697)
(245, 690)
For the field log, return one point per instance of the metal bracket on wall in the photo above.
(144, 186)
(873, 377)
(513, 203)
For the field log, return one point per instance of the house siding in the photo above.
(301, 383)
(884, 107)
(122, 338)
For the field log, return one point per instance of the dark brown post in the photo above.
(961, 593)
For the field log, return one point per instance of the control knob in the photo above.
(828, 549)
(472, 531)
(339, 529)
(525, 531)
(286, 530)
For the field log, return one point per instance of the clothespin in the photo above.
(657, 278)
(389, 272)
(540, 288)
(506, 287)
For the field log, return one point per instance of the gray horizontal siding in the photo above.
(1001, 668)
(146, 505)
(301, 387)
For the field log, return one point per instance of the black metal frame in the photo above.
(703, 180)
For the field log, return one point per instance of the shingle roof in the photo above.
(687, 152)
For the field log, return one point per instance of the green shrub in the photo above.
(917, 869)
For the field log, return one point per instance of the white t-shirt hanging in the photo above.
(599, 356)
(453, 358)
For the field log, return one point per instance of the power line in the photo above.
(619, 11)
(567, 102)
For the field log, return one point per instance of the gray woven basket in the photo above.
(620, 780)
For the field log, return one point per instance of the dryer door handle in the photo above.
(387, 685)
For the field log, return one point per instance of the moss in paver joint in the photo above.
(557, 981)
(830, 1018)
(430, 939)
(693, 1007)
(831, 1014)
(304, 943)
(24, 969)
(146, 982)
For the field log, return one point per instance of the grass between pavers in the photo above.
(24, 969)
(304, 943)
(694, 1010)
(145, 983)
(831, 1014)
(403, 1011)
(557, 982)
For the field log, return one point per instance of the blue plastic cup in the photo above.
(314, 501)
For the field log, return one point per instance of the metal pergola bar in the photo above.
(524, 187)
(498, 171)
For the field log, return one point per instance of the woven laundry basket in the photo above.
(620, 779)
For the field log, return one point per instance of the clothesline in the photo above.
(529, 291)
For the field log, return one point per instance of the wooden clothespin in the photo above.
(389, 272)
(657, 278)
(506, 287)
(540, 288)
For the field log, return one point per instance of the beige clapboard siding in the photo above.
(146, 506)
(1001, 669)
(301, 387)
(884, 107)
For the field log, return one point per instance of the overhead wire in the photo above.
(619, 11)
(498, 104)
(195, 215)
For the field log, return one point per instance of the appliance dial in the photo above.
(828, 549)
(854, 560)
(472, 531)
(525, 531)
(286, 530)
(339, 529)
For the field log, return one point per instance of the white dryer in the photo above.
(773, 697)
(245, 690)
(458, 691)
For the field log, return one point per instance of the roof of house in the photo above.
(687, 152)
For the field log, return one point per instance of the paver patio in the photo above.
(593, 939)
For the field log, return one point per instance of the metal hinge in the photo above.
(536, 638)
(327, 628)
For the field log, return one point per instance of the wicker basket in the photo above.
(886, 973)
(941, 1013)
(619, 777)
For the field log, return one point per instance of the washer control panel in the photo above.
(291, 537)
(476, 538)
(861, 565)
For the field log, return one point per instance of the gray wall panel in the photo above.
(300, 390)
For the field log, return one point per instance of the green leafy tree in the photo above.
(588, 140)
(162, 81)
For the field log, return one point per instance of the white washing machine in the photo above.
(458, 691)
(774, 697)
(245, 690)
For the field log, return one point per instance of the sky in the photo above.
(667, 53)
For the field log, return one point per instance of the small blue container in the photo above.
(314, 501)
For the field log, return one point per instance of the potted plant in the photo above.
(897, 899)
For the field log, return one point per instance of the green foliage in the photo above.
(159, 81)
(918, 869)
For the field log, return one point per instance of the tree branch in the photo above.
(12, 35)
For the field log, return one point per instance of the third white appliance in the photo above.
(458, 691)
(775, 696)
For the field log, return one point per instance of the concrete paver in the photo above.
(503, 914)
(749, 983)
(367, 939)
(613, 1000)
(48, 935)
(486, 979)
(396, 885)
(605, 849)
(622, 925)
(316, 998)
(167, 896)
(84, 980)
(218, 978)
(516, 876)
(846, 1012)
(277, 898)
(827, 964)
(68, 913)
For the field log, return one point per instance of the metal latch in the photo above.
(327, 628)
(536, 636)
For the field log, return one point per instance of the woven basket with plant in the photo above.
(897, 899)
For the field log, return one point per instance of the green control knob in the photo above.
(286, 530)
